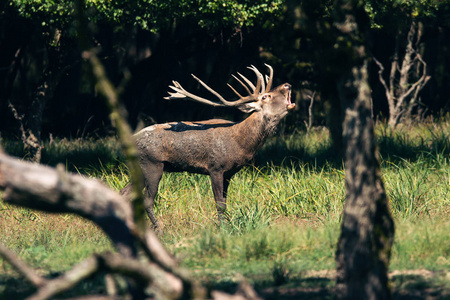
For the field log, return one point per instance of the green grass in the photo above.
(283, 215)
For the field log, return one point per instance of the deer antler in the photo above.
(269, 79)
(253, 95)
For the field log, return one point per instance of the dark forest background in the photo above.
(46, 90)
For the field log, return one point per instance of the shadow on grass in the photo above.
(314, 288)
(76, 155)
(307, 288)
(405, 287)
(14, 287)
(418, 287)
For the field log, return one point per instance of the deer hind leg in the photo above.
(152, 176)
(220, 188)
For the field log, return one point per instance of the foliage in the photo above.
(153, 15)
(395, 14)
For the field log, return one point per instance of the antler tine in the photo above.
(269, 78)
(182, 93)
(176, 87)
(260, 85)
(244, 85)
(225, 102)
(250, 84)
(236, 92)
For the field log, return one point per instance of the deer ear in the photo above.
(250, 107)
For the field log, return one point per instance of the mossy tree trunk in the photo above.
(367, 231)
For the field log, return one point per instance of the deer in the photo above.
(218, 148)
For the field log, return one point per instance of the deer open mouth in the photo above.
(290, 105)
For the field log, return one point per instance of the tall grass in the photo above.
(283, 212)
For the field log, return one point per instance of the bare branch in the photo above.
(19, 119)
(418, 85)
(67, 281)
(47, 189)
(402, 97)
(39, 187)
(383, 82)
(310, 112)
(21, 267)
(144, 273)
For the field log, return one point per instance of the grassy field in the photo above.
(282, 221)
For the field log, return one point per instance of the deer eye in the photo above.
(265, 97)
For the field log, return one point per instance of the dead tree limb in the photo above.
(402, 97)
(66, 281)
(310, 112)
(165, 285)
(21, 267)
(44, 188)
(52, 190)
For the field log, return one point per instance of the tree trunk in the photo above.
(35, 73)
(367, 231)
(31, 137)
(364, 247)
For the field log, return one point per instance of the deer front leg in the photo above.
(220, 187)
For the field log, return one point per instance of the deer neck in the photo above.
(254, 130)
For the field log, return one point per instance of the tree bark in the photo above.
(367, 230)
(364, 246)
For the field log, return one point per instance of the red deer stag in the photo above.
(217, 148)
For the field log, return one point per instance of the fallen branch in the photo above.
(44, 188)
(66, 281)
(53, 190)
(21, 267)
(163, 284)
